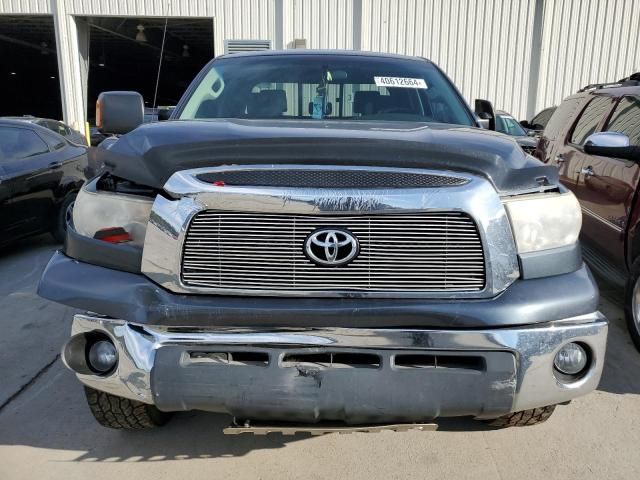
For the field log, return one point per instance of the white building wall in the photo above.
(323, 23)
(485, 46)
(25, 7)
(586, 42)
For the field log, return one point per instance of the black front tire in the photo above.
(524, 418)
(121, 413)
(59, 231)
(633, 320)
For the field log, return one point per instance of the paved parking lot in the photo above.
(46, 431)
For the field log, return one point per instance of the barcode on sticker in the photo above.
(400, 82)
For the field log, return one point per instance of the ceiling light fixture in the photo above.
(141, 36)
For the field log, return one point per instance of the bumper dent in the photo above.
(182, 369)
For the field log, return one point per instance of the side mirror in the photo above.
(164, 113)
(484, 110)
(611, 144)
(119, 112)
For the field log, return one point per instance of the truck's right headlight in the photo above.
(544, 221)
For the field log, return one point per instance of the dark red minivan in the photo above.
(594, 139)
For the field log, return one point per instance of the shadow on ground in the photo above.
(53, 415)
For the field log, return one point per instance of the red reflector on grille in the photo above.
(113, 235)
(218, 183)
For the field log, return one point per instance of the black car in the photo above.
(56, 126)
(40, 175)
(508, 125)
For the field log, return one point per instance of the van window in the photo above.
(626, 119)
(590, 119)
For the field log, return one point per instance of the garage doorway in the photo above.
(29, 67)
(124, 54)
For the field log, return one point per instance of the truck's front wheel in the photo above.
(523, 418)
(117, 412)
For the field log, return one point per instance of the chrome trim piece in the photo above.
(609, 223)
(534, 347)
(170, 219)
(425, 252)
(258, 429)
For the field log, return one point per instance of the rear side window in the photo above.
(543, 117)
(562, 116)
(626, 119)
(590, 119)
(54, 141)
(17, 143)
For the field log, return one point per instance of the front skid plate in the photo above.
(264, 429)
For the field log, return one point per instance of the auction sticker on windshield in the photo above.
(400, 82)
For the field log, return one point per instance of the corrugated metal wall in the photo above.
(323, 23)
(484, 46)
(25, 7)
(586, 42)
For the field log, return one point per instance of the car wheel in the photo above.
(65, 215)
(632, 303)
(121, 413)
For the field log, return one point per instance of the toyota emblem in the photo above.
(331, 247)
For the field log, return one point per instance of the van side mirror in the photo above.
(119, 112)
(484, 110)
(611, 144)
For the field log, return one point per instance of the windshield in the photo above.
(325, 87)
(509, 125)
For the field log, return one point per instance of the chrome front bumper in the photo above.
(156, 366)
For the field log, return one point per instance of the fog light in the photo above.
(571, 359)
(102, 356)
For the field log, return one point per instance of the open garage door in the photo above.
(125, 53)
(29, 67)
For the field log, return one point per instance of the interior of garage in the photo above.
(29, 67)
(125, 54)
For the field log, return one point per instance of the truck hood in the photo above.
(150, 154)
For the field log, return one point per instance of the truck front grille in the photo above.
(422, 252)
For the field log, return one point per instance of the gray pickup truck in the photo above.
(318, 238)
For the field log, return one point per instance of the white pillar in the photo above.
(536, 52)
(72, 87)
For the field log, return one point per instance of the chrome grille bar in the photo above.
(425, 252)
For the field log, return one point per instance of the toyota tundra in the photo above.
(318, 238)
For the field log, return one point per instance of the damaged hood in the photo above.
(152, 153)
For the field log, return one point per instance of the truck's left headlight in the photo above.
(544, 221)
(112, 217)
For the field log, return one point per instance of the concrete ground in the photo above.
(47, 432)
